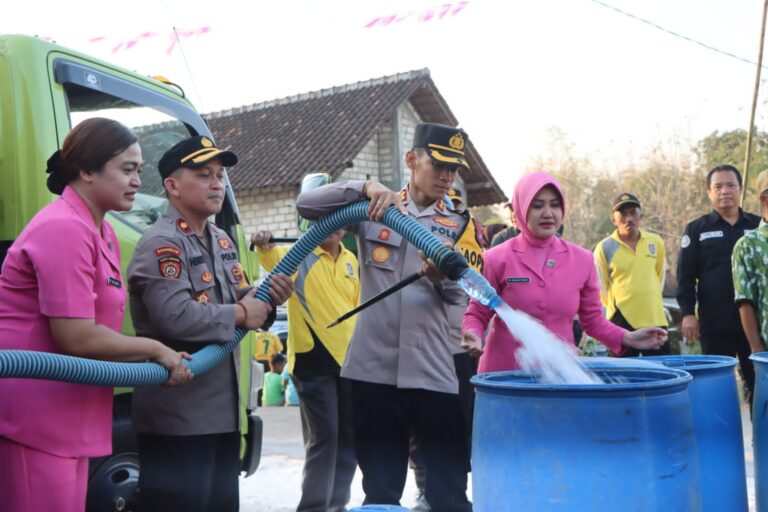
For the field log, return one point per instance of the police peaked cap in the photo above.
(444, 144)
(193, 152)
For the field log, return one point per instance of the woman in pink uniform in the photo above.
(61, 291)
(546, 277)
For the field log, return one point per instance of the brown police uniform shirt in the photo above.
(407, 339)
(183, 293)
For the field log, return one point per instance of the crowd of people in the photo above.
(385, 390)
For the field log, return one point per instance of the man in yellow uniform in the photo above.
(327, 286)
(630, 264)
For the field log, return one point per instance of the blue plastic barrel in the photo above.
(717, 423)
(379, 508)
(760, 429)
(627, 445)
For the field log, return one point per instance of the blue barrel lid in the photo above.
(647, 378)
(759, 357)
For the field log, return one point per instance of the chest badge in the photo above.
(350, 270)
(384, 234)
(203, 297)
(446, 222)
(206, 277)
(652, 249)
(224, 243)
(380, 254)
(550, 263)
(237, 273)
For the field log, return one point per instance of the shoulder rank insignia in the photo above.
(170, 267)
(237, 272)
(403, 195)
(440, 205)
(183, 226)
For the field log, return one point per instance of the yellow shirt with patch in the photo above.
(632, 280)
(325, 290)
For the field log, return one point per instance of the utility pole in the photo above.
(748, 156)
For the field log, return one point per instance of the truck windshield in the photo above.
(159, 120)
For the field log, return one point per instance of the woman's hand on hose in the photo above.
(381, 199)
(173, 361)
(645, 338)
(472, 343)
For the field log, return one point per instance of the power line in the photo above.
(673, 33)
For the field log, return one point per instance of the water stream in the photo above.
(541, 348)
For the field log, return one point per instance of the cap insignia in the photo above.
(206, 142)
(457, 142)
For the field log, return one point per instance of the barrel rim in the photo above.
(675, 377)
(694, 362)
(759, 357)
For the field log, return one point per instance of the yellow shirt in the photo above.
(265, 344)
(632, 280)
(325, 290)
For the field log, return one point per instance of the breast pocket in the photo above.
(382, 247)
(235, 274)
(201, 277)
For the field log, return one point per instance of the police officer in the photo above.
(704, 273)
(183, 283)
(400, 360)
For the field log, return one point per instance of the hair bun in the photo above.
(57, 178)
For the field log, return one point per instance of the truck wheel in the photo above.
(113, 482)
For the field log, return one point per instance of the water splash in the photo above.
(541, 348)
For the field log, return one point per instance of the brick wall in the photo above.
(269, 208)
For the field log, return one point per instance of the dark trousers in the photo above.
(189, 473)
(466, 368)
(734, 344)
(619, 320)
(384, 417)
(325, 402)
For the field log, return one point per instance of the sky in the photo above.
(511, 71)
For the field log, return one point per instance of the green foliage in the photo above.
(730, 148)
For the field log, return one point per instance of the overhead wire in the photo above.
(676, 34)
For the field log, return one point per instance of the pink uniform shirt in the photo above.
(551, 280)
(60, 266)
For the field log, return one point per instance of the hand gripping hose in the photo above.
(44, 365)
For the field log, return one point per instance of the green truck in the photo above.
(45, 90)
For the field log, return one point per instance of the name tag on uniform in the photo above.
(518, 280)
(114, 282)
(710, 234)
(196, 260)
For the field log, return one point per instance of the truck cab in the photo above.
(45, 90)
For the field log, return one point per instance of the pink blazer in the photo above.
(60, 266)
(567, 285)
